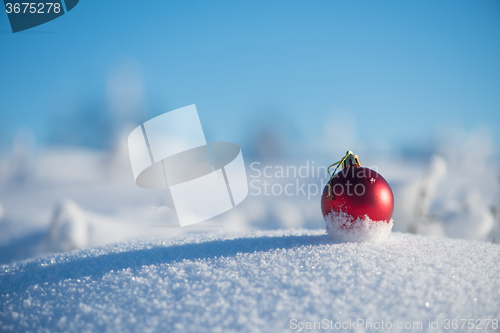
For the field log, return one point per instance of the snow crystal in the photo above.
(342, 227)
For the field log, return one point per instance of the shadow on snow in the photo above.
(32, 273)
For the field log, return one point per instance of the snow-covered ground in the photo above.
(269, 281)
(64, 199)
(84, 249)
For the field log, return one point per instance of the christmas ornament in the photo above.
(357, 203)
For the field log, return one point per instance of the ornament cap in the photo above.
(350, 160)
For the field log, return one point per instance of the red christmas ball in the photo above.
(358, 191)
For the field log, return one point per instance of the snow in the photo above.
(62, 198)
(341, 227)
(84, 249)
(258, 281)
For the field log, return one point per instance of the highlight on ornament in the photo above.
(357, 202)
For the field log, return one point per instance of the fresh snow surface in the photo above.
(341, 227)
(253, 282)
(57, 199)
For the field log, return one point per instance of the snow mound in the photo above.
(341, 227)
(69, 227)
(253, 282)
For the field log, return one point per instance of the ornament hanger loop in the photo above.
(348, 160)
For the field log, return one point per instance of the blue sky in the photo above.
(403, 70)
